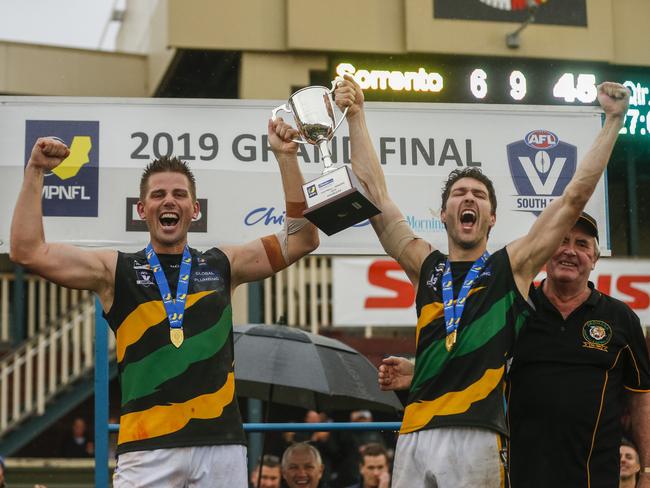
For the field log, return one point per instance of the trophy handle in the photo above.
(287, 109)
(334, 85)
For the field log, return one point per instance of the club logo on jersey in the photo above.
(72, 188)
(144, 277)
(596, 334)
(541, 166)
(436, 275)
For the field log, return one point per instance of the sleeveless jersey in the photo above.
(464, 387)
(175, 397)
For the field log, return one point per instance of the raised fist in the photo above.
(614, 98)
(48, 153)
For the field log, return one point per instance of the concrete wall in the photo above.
(29, 69)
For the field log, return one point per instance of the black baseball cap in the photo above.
(589, 224)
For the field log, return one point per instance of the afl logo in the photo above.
(541, 139)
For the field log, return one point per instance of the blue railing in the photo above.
(312, 427)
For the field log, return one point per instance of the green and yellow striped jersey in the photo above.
(464, 387)
(175, 397)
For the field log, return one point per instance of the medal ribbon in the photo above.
(453, 312)
(174, 308)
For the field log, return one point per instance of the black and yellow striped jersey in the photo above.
(175, 397)
(464, 387)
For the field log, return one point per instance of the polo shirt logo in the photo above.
(596, 334)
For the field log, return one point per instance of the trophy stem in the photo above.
(325, 155)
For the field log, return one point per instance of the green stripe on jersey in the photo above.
(432, 360)
(141, 378)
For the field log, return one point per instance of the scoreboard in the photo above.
(471, 79)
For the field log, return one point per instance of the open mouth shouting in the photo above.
(468, 218)
(168, 220)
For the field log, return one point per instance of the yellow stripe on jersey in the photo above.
(428, 314)
(145, 316)
(433, 311)
(167, 419)
(419, 414)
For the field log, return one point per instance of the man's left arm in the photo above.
(640, 423)
(528, 254)
(263, 257)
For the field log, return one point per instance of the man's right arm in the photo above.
(395, 235)
(63, 264)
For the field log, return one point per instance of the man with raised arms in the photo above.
(470, 304)
(170, 308)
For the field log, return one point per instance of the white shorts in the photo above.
(183, 467)
(449, 457)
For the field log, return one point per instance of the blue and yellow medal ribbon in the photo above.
(175, 308)
(454, 311)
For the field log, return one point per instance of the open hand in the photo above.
(395, 373)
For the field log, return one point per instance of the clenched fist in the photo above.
(48, 153)
(348, 94)
(614, 98)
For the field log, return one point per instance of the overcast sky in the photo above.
(73, 23)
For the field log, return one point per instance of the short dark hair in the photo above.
(166, 164)
(372, 449)
(628, 443)
(474, 173)
(270, 461)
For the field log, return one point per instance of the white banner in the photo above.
(529, 152)
(375, 291)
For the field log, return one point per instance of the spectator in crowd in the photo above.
(77, 445)
(271, 473)
(350, 444)
(302, 466)
(373, 468)
(323, 441)
(630, 465)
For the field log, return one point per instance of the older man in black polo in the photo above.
(573, 363)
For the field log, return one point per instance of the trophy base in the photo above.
(340, 207)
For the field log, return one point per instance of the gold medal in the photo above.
(176, 336)
(450, 340)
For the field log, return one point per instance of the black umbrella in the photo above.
(286, 365)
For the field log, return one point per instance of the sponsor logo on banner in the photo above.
(428, 223)
(376, 291)
(541, 166)
(271, 216)
(135, 224)
(72, 188)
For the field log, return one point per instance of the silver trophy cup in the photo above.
(335, 200)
